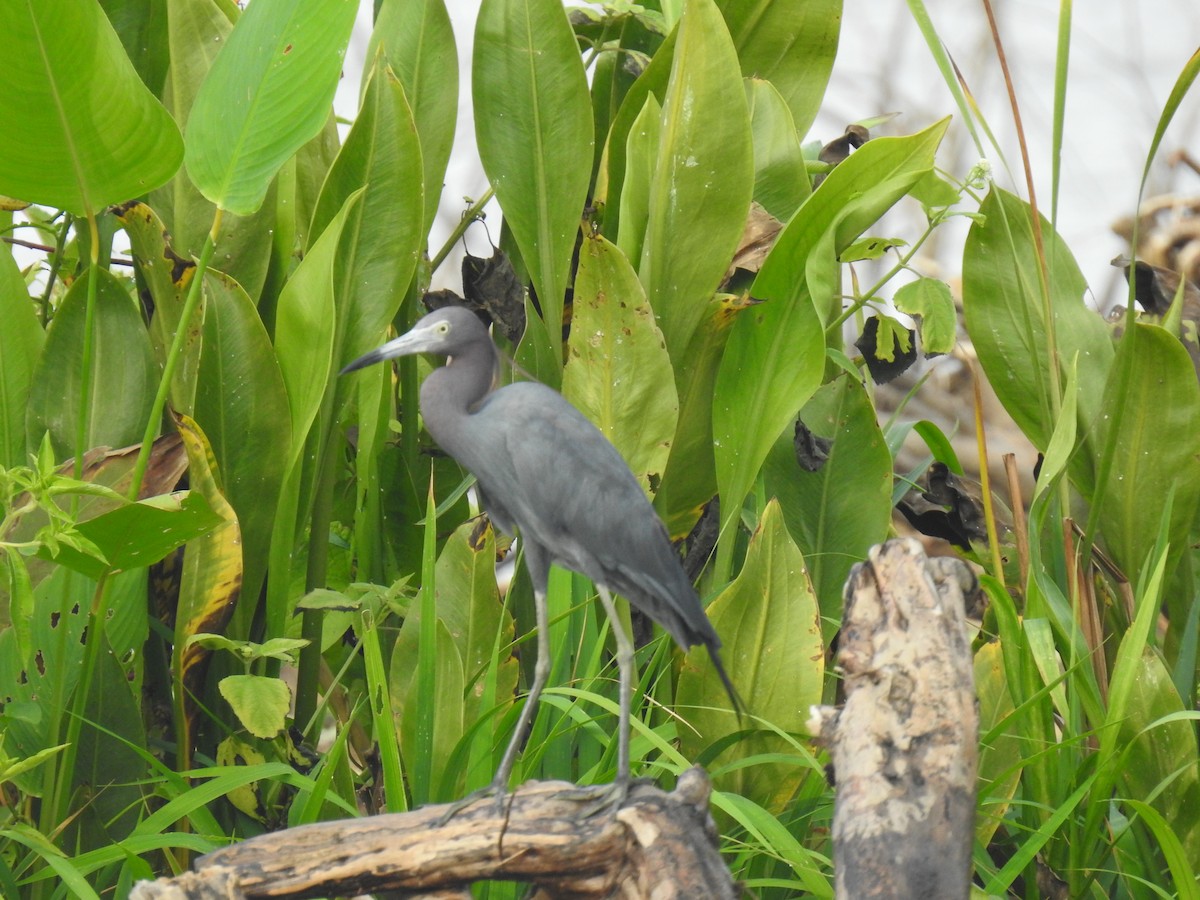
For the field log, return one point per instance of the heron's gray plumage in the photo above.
(547, 473)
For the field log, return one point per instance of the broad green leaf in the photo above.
(167, 276)
(844, 508)
(468, 603)
(138, 534)
(124, 376)
(1181, 864)
(930, 299)
(533, 122)
(447, 710)
(417, 42)
(690, 480)
(197, 30)
(781, 181)
(211, 580)
(384, 233)
(1160, 762)
(305, 328)
(242, 407)
(640, 153)
(775, 355)
(267, 94)
(109, 769)
(703, 178)
(1000, 754)
(1149, 426)
(610, 179)
(21, 341)
(468, 606)
(790, 43)
(141, 26)
(83, 131)
(1003, 313)
(260, 703)
(768, 622)
(618, 372)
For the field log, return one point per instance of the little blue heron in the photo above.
(543, 469)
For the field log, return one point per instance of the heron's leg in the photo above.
(625, 671)
(541, 671)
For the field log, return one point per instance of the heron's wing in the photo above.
(567, 488)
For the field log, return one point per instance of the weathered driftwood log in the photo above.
(904, 744)
(545, 833)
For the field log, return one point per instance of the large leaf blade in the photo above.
(618, 372)
(267, 94)
(533, 121)
(790, 43)
(124, 376)
(83, 131)
(703, 178)
(416, 39)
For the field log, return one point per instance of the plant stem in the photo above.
(195, 292)
(308, 675)
(471, 215)
(89, 324)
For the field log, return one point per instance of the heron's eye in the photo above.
(443, 327)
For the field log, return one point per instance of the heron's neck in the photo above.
(455, 390)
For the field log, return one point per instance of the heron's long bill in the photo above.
(416, 341)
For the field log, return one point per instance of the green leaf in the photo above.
(618, 372)
(242, 408)
(417, 42)
(610, 179)
(384, 233)
(109, 769)
(447, 710)
(844, 508)
(1149, 429)
(640, 152)
(124, 376)
(305, 328)
(703, 178)
(167, 275)
(790, 43)
(1004, 315)
(84, 132)
(768, 622)
(781, 181)
(931, 300)
(1159, 760)
(141, 26)
(1001, 744)
(690, 480)
(21, 342)
(197, 30)
(775, 356)
(267, 94)
(935, 192)
(869, 248)
(260, 703)
(533, 121)
(138, 534)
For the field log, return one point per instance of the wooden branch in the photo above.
(559, 837)
(904, 744)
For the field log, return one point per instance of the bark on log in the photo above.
(904, 745)
(545, 833)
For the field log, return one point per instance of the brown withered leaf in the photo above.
(491, 286)
(758, 238)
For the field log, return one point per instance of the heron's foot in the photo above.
(606, 799)
(496, 792)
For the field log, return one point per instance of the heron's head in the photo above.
(445, 331)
